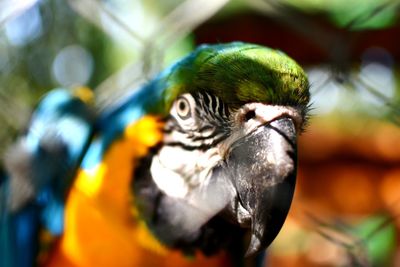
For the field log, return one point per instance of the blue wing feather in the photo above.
(40, 168)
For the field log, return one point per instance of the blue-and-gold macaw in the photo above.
(195, 164)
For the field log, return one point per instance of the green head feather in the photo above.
(238, 73)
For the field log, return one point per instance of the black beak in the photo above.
(262, 168)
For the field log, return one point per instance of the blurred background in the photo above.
(347, 202)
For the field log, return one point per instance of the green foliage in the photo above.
(379, 234)
(356, 14)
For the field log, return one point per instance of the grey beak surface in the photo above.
(263, 166)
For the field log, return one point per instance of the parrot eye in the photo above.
(182, 107)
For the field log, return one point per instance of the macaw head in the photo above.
(226, 167)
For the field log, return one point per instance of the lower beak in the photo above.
(263, 172)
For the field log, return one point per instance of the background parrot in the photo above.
(191, 169)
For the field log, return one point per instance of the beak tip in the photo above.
(254, 246)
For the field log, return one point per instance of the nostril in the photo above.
(251, 114)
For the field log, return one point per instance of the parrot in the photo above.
(197, 167)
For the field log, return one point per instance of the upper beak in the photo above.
(262, 167)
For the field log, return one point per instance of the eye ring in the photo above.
(182, 107)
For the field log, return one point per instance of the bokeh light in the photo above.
(73, 66)
(24, 28)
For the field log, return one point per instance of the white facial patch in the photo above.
(186, 175)
(176, 170)
(170, 182)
